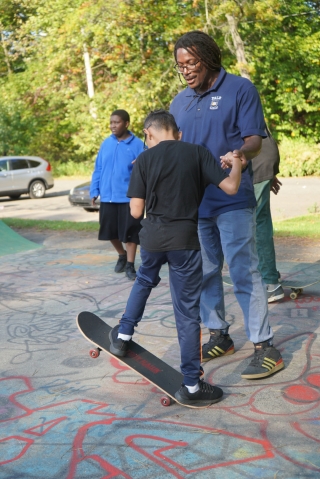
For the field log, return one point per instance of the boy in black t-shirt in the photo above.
(169, 179)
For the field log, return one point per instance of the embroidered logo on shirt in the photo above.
(215, 102)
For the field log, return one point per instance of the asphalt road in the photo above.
(298, 196)
(54, 206)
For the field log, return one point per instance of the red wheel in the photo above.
(166, 401)
(94, 353)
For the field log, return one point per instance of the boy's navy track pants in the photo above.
(185, 275)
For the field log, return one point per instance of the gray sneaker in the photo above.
(274, 292)
(266, 360)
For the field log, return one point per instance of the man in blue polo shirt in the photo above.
(223, 113)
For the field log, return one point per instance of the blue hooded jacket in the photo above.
(113, 167)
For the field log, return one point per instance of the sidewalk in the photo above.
(65, 415)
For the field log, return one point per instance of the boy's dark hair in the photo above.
(124, 115)
(161, 120)
(199, 43)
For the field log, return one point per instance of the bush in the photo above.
(72, 168)
(299, 157)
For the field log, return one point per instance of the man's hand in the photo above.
(93, 201)
(227, 159)
(275, 185)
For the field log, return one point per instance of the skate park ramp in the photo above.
(11, 242)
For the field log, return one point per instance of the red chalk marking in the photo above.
(19, 440)
(314, 379)
(301, 394)
(45, 427)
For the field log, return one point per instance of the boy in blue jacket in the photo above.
(110, 181)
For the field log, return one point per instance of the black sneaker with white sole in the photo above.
(206, 395)
(267, 360)
(118, 347)
(274, 292)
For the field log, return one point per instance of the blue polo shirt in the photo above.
(219, 119)
(113, 167)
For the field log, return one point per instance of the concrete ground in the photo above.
(64, 415)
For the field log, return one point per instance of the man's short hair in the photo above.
(161, 120)
(124, 115)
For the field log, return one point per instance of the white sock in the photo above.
(125, 337)
(193, 389)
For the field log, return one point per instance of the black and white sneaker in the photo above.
(118, 347)
(206, 395)
(274, 292)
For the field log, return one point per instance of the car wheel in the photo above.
(37, 189)
(14, 197)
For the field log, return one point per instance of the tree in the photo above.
(277, 44)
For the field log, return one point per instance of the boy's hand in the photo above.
(227, 159)
(93, 201)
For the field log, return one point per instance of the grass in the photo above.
(40, 225)
(301, 227)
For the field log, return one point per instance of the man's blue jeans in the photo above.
(231, 236)
(185, 275)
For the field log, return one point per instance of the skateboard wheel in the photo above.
(94, 353)
(293, 295)
(166, 401)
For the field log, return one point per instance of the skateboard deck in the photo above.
(295, 285)
(159, 373)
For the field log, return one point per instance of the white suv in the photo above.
(24, 174)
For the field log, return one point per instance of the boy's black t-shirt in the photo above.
(172, 177)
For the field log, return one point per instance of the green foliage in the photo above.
(72, 168)
(45, 109)
(299, 157)
(282, 47)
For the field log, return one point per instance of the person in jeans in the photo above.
(110, 181)
(169, 179)
(223, 112)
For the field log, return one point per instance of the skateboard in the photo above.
(295, 286)
(159, 373)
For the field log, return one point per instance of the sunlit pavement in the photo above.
(297, 196)
(65, 415)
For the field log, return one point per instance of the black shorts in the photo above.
(116, 222)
